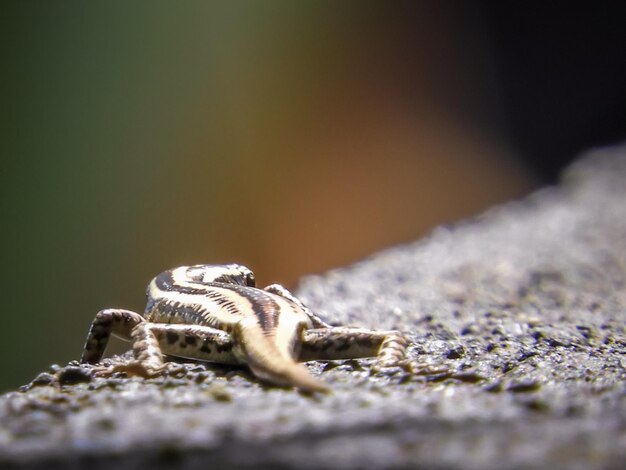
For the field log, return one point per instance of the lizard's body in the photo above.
(215, 313)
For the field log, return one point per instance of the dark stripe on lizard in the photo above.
(264, 307)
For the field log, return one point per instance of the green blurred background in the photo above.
(288, 136)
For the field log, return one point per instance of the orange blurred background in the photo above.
(292, 137)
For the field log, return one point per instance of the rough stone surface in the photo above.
(524, 306)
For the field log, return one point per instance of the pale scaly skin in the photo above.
(215, 313)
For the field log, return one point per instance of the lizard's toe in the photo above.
(130, 368)
(419, 368)
(388, 369)
(407, 367)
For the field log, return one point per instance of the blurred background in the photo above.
(292, 137)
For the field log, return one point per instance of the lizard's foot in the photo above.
(389, 368)
(421, 368)
(407, 367)
(136, 368)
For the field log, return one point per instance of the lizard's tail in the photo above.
(270, 365)
(290, 375)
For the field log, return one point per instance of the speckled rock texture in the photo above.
(524, 308)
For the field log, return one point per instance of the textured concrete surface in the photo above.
(524, 306)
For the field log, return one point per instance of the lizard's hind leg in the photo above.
(389, 347)
(116, 321)
(392, 351)
(127, 325)
(148, 357)
(198, 342)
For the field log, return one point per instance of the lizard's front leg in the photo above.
(277, 289)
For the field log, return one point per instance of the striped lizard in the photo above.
(215, 313)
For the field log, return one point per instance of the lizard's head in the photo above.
(226, 273)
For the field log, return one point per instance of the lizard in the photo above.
(216, 313)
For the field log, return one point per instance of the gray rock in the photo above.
(522, 309)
